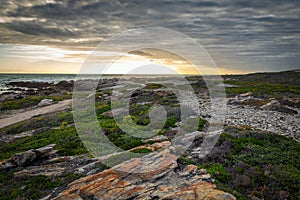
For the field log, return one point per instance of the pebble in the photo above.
(265, 120)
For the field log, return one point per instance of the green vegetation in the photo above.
(67, 141)
(43, 122)
(190, 125)
(285, 77)
(141, 150)
(101, 108)
(30, 187)
(20, 103)
(29, 101)
(185, 160)
(217, 170)
(124, 141)
(247, 164)
(262, 89)
(170, 122)
(153, 86)
(202, 123)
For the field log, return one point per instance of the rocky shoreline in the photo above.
(245, 111)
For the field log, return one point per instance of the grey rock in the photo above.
(159, 138)
(28, 157)
(45, 102)
(45, 170)
(270, 105)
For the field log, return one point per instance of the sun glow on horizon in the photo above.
(38, 59)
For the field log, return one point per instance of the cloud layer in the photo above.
(246, 35)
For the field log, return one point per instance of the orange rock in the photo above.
(190, 168)
(151, 177)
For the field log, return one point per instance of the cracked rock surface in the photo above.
(154, 176)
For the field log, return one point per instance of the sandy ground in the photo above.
(24, 115)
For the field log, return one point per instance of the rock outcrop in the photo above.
(159, 138)
(8, 138)
(291, 102)
(29, 157)
(275, 105)
(44, 161)
(154, 176)
(59, 166)
(45, 102)
(37, 88)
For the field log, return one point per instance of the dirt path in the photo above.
(18, 117)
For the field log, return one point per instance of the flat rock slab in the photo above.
(153, 176)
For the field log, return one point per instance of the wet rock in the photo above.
(64, 86)
(153, 176)
(30, 92)
(47, 91)
(41, 88)
(24, 84)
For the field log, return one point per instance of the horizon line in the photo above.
(35, 73)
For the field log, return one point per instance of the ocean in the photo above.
(55, 78)
(51, 78)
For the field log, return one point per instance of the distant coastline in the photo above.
(6, 78)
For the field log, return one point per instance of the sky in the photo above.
(241, 36)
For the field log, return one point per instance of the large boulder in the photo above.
(45, 102)
(64, 86)
(28, 157)
(154, 176)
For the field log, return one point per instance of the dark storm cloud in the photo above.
(251, 33)
(34, 28)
